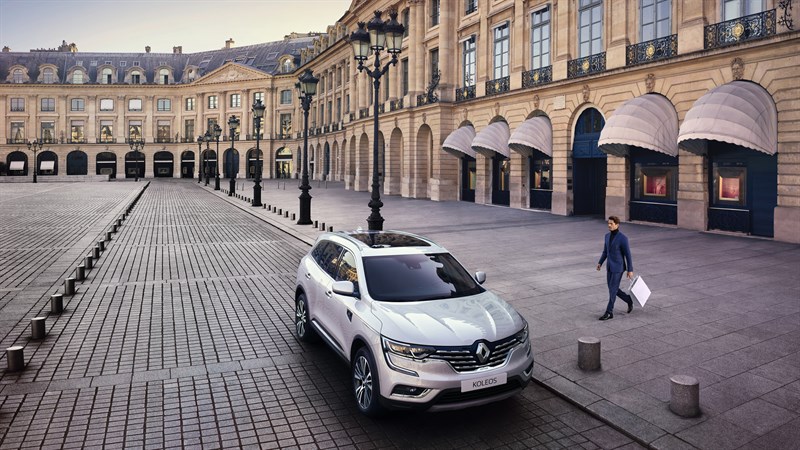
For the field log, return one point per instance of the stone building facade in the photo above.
(674, 112)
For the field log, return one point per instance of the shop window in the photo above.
(655, 183)
(542, 174)
(729, 184)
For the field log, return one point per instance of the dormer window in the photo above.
(287, 65)
(106, 78)
(136, 77)
(77, 77)
(48, 76)
(18, 76)
(163, 76)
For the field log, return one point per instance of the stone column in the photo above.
(448, 50)
(518, 47)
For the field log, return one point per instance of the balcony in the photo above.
(352, 116)
(49, 140)
(498, 86)
(394, 105)
(284, 135)
(363, 113)
(587, 65)
(163, 140)
(188, 140)
(107, 140)
(465, 93)
(381, 108)
(335, 127)
(326, 129)
(76, 141)
(424, 99)
(661, 48)
(16, 141)
(537, 77)
(742, 29)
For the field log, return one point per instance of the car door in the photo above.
(326, 263)
(341, 307)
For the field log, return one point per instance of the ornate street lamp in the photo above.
(206, 137)
(34, 146)
(388, 35)
(216, 133)
(200, 159)
(233, 125)
(308, 88)
(258, 115)
(136, 146)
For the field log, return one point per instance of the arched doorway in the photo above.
(106, 164)
(48, 163)
(187, 164)
(326, 162)
(588, 165)
(163, 164)
(253, 165)
(209, 159)
(230, 167)
(17, 164)
(134, 165)
(283, 163)
(77, 163)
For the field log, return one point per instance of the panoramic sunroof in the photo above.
(389, 240)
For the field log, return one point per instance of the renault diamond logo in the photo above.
(482, 353)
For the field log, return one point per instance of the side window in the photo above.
(326, 255)
(319, 251)
(347, 269)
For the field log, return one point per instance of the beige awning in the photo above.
(648, 121)
(535, 133)
(740, 113)
(47, 165)
(16, 165)
(493, 138)
(460, 142)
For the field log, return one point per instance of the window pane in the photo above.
(647, 15)
(731, 9)
(754, 6)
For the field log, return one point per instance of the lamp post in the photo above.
(199, 159)
(258, 114)
(206, 137)
(34, 146)
(136, 146)
(216, 133)
(388, 35)
(308, 88)
(233, 124)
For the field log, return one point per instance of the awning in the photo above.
(648, 121)
(535, 133)
(493, 138)
(17, 165)
(460, 142)
(47, 165)
(740, 112)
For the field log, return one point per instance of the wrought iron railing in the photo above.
(498, 86)
(423, 99)
(394, 105)
(742, 29)
(188, 140)
(381, 108)
(163, 140)
(286, 135)
(363, 113)
(335, 127)
(352, 116)
(108, 140)
(586, 66)
(76, 141)
(326, 129)
(661, 48)
(465, 93)
(537, 77)
(49, 140)
(16, 141)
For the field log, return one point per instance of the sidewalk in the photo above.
(724, 309)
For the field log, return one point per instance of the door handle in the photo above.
(308, 276)
(329, 294)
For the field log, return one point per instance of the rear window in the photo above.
(410, 278)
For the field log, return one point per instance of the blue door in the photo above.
(468, 177)
(588, 165)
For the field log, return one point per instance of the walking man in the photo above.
(618, 253)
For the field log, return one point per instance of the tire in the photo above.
(366, 386)
(302, 321)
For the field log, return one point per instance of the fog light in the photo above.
(408, 391)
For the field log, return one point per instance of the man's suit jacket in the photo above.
(618, 254)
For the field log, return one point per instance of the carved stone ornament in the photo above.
(496, 108)
(395, 122)
(463, 114)
(536, 101)
(424, 118)
(650, 83)
(737, 68)
(585, 92)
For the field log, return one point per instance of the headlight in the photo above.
(407, 350)
(522, 336)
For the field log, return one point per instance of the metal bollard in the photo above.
(80, 273)
(16, 358)
(316, 224)
(56, 304)
(69, 286)
(87, 262)
(330, 229)
(108, 235)
(280, 211)
(589, 353)
(114, 228)
(119, 223)
(293, 216)
(684, 395)
(263, 206)
(322, 226)
(96, 252)
(102, 245)
(37, 328)
(286, 214)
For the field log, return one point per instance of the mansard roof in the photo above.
(263, 57)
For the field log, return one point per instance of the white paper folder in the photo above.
(639, 290)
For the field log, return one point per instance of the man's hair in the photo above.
(614, 219)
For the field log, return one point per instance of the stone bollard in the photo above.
(108, 235)
(286, 214)
(263, 206)
(16, 358)
(322, 226)
(684, 395)
(119, 223)
(69, 286)
(56, 304)
(87, 262)
(80, 273)
(102, 245)
(294, 217)
(280, 211)
(96, 252)
(316, 224)
(114, 228)
(589, 353)
(330, 229)
(37, 328)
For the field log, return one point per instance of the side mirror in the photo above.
(480, 277)
(344, 288)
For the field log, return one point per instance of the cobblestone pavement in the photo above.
(181, 336)
(725, 309)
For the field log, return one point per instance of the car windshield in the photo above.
(411, 278)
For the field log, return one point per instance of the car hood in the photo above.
(449, 322)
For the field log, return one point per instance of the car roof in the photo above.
(392, 242)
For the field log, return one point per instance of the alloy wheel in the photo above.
(362, 380)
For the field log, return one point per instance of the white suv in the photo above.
(416, 329)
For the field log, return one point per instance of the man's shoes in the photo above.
(606, 316)
(630, 306)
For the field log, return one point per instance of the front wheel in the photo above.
(365, 383)
(302, 321)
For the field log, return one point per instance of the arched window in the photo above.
(106, 76)
(77, 77)
(287, 65)
(136, 77)
(163, 76)
(48, 76)
(19, 77)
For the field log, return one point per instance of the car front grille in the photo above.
(463, 359)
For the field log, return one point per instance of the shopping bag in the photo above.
(639, 290)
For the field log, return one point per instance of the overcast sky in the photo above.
(130, 25)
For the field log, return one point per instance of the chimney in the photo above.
(147, 49)
(229, 43)
(177, 50)
(6, 49)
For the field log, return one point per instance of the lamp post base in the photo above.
(216, 183)
(257, 193)
(375, 221)
(305, 206)
(232, 188)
